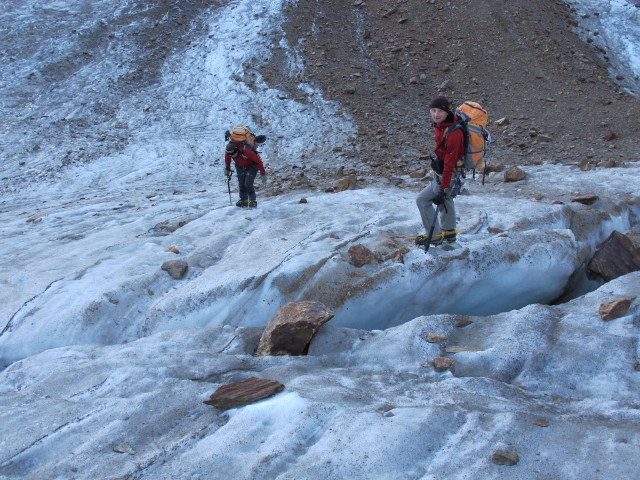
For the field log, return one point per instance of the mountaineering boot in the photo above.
(450, 235)
(253, 204)
(446, 235)
(242, 203)
(422, 239)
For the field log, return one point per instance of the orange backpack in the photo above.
(242, 134)
(473, 120)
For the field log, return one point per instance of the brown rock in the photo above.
(436, 338)
(359, 255)
(346, 183)
(242, 393)
(493, 167)
(442, 363)
(542, 422)
(172, 250)
(463, 322)
(610, 135)
(123, 447)
(397, 256)
(634, 236)
(616, 256)
(514, 174)
(176, 268)
(494, 230)
(291, 329)
(586, 199)
(36, 218)
(505, 457)
(418, 173)
(616, 308)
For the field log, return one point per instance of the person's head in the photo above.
(232, 149)
(440, 110)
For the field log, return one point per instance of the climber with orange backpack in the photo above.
(460, 140)
(242, 149)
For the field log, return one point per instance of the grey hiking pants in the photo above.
(447, 210)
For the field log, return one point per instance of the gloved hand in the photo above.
(263, 178)
(227, 173)
(439, 198)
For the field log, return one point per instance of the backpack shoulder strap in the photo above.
(246, 145)
(448, 130)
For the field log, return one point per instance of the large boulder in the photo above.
(291, 329)
(616, 256)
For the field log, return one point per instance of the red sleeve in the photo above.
(255, 158)
(227, 161)
(454, 150)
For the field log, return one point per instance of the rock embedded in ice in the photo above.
(616, 256)
(346, 183)
(436, 338)
(359, 255)
(176, 268)
(514, 174)
(505, 457)
(616, 308)
(242, 393)
(442, 363)
(587, 199)
(36, 218)
(124, 447)
(292, 327)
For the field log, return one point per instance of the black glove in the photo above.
(439, 198)
(227, 174)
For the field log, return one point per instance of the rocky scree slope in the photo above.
(524, 61)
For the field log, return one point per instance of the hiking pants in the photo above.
(246, 177)
(447, 210)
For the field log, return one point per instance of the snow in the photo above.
(107, 358)
(615, 26)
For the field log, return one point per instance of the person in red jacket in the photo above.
(449, 149)
(247, 162)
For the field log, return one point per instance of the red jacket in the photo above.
(246, 157)
(450, 152)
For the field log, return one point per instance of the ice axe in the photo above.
(433, 225)
(229, 187)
